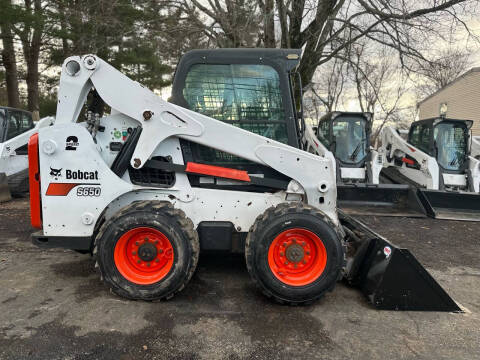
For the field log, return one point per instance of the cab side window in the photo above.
(14, 121)
(323, 133)
(26, 122)
(424, 143)
(18, 123)
(414, 135)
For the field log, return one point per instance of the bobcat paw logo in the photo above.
(56, 173)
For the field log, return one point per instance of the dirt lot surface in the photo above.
(53, 306)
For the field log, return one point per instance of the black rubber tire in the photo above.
(278, 219)
(19, 186)
(170, 221)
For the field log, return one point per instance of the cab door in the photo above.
(247, 89)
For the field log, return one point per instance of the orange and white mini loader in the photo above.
(147, 188)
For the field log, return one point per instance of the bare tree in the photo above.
(380, 83)
(448, 65)
(228, 23)
(327, 87)
(325, 28)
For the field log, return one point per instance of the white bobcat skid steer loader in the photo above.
(16, 127)
(436, 159)
(358, 166)
(130, 200)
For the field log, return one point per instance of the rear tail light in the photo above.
(34, 181)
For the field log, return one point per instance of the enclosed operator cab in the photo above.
(447, 141)
(248, 88)
(347, 136)
(359, 191)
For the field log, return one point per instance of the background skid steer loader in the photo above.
(358, 166)
(134, 200)
(16, 127)
(436, 159)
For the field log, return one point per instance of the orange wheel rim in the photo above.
(297, 257)
(143, 255)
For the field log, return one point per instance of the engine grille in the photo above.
(152, 177)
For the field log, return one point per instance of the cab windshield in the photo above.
(350, 138)
(243, 95)
(451, 145)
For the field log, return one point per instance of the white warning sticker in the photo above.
(387, 250)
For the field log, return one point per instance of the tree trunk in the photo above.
(9, 61)
(269, 24)
(31, 38)
(282, 16)
(64, 29)
(312, 37)
(32, 79)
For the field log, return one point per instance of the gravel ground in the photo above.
(55, 307)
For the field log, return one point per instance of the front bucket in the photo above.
(390, 277)
(380, 200)
(451, 205)
(4, 189)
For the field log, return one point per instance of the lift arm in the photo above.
(397, 150)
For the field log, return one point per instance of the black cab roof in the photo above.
(436, 120)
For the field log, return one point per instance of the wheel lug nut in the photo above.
(156, 242)
(157, 260)
(308, 252)
(294, 241)
(160, 251)
(303, 243)
(284, 244)
(134, 253)
(148, 264)
(295, 266)
(286, 262)
(137, 243)
(139, 261)
(146, 239)
(281, 254)
(304, 261)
